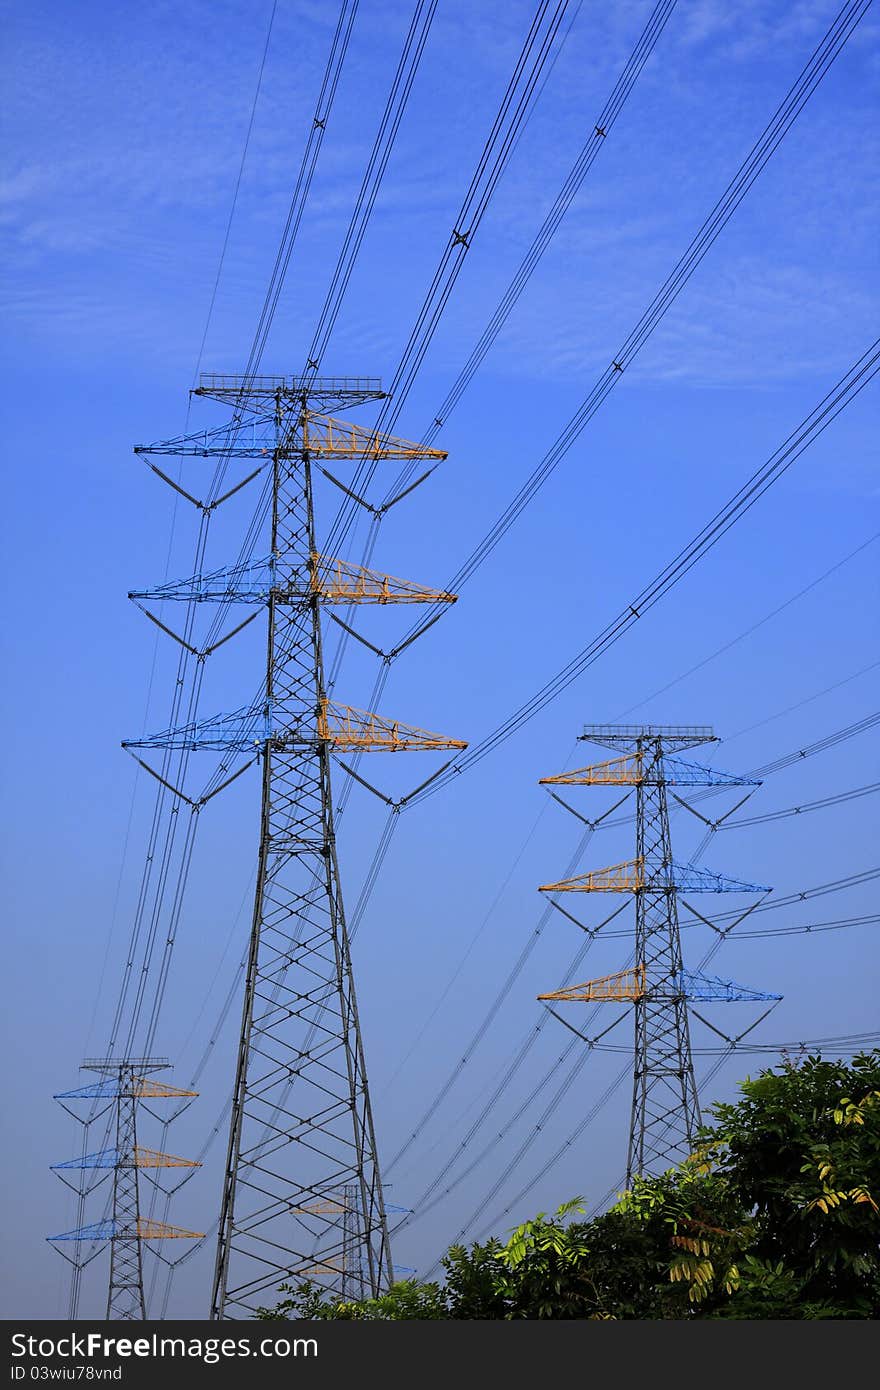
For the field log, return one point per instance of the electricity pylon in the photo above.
(301, 1129)
(124, 1085)
(665, 1106)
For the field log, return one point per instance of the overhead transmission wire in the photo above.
(632, 69)
(838, 800)
(398, 96)
(796, 443)
(617, 1187)
(816, 67)
(841, 395)
(205, 331)
(733, 1045)
(328, 88)
(755, 627)
(338, 50)
(522, 92)
(790, 759)
(332, 72)
(75, 1286)
(471, 212)
(564, 198)
(376, 165)
(546, 914)
(266, 330)
(496, 152)
(400, 90)
(786, 760)
(486, 918)
(852, 1041)
(757, 159)
(424, 1202)
(229, 220)
(407, 66)
(493, 160)
(726, 647)
(807, 700)
(401, 85)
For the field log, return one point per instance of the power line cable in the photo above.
(841, 395)
(761, 152)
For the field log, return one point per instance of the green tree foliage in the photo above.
(776, 1214)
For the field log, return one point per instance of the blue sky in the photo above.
(123, 134)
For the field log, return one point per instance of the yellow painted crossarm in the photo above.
(157, 1230)
(325, 437)
(628, 877)
(335, 1266)
(326, 1208)
(617, 772)
(146, 1089)
(340, 581)
(152, 1158)
(627, 984)
(343, 726)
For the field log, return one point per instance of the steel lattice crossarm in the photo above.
(158, 1230)
(140, 1087)
(628, 985)
(241, 390)
(139, 1157)
(343, 726)
(252, 439)
(332, 580)
(142, 1230)
(341, 581)
(632, 877)
(325, 437)
(243, 730)
(694, 985)
(634, 770)
(339, 726)
(320, 436)
(673, 737)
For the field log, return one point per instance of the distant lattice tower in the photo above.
(124, 1085)
(665, 1106)
(301, 1130)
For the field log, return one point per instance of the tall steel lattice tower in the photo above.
(301, 1142)
(665, 1105)
(124, 1085)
